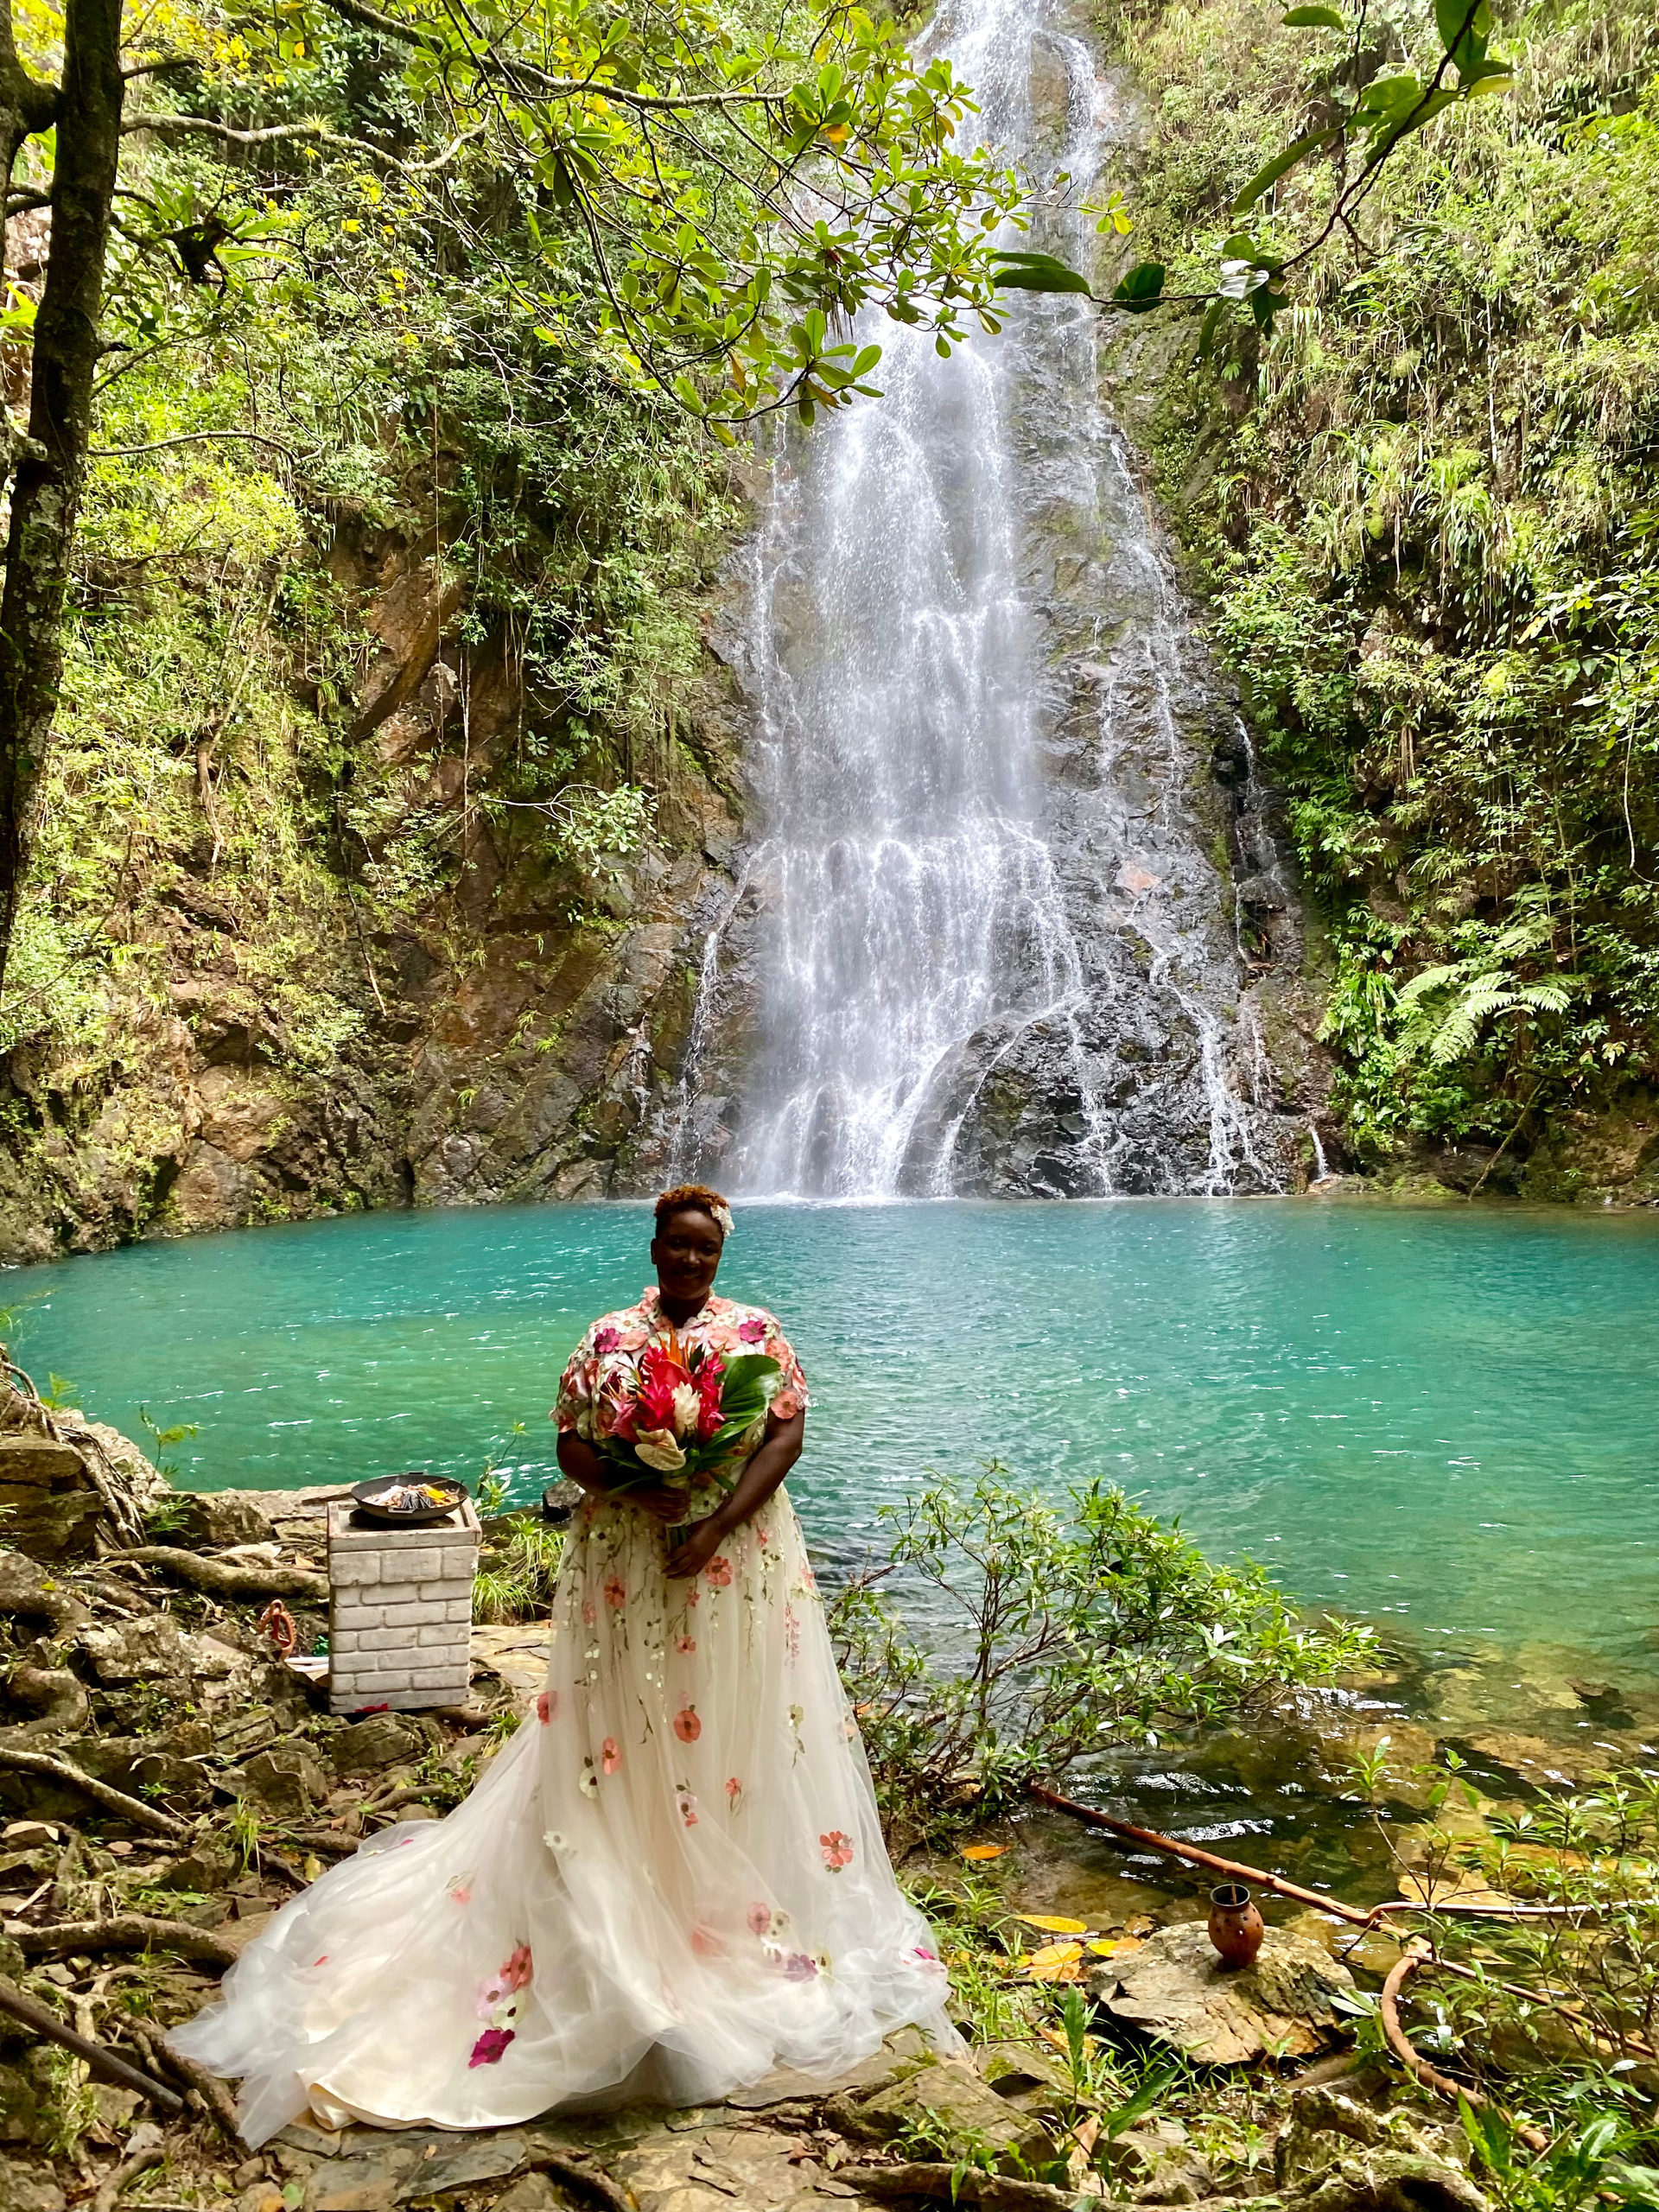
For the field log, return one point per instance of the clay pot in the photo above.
(1236, 1926)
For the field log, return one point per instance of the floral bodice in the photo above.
(720, 1324)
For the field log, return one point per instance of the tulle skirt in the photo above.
(670, 1882)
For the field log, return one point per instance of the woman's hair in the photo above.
(684, 1196)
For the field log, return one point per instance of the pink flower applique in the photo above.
(588, 1616)
(686, 1727)
(492, 1991)
(838, 1850)
(799, 1965)
(491, 2047)
(688, 1805)
(761, 1536)
(607, 1340)
(609, 1758)
(760, 1920)
(547, 1706)
(692, 1595)
(516, 1972)
(719, 1571)
(461, 1895)
(616, 1594)
(685, 1645)
(752, 1332)
(734, 1791)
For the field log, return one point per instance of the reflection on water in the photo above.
(1443, 1420)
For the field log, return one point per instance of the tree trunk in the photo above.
(46, 489)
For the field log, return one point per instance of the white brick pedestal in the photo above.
(400, 1611)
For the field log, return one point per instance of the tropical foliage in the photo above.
(995, 1640)
(1421, 496)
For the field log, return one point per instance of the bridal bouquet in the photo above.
(676, 1415)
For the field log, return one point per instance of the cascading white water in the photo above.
(986, 944)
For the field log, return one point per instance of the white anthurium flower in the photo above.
(659, 1451)
(687, 1407)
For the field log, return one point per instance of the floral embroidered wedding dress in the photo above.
(671, 1881)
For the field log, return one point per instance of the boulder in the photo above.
(222, 1517)
(202, 1871)
(157, 1650)
(944, 2101)
(28, 2187)
(47, 1497)
(1389, 2181)
(286, 1780)
(1157, 2164)
(25, 2115)
(380, 1741)
(1328, 2128)
(33, 1595)
(1175, 1989)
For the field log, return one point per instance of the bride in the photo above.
(672, 1880)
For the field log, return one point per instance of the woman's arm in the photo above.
(578, 1459)
(781, 1449)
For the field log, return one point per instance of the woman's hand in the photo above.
(655, 1498)
(693, 1555)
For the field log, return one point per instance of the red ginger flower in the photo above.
(710, 1380)
(660, 1376)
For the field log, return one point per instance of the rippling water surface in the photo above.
(1447, 1417)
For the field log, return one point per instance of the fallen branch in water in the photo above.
(101, 1792)
(123, 1931)
(1233, 1867)
(1416, 2065)
(1511, 1908)
(223, 1581)
(102, 2062)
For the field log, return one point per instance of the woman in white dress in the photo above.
(672, 1879)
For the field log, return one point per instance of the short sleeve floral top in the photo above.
(722, 1323)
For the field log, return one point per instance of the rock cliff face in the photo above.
(278, 1053)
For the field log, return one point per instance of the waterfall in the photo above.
(982, 940)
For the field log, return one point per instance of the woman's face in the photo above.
(686, 1255)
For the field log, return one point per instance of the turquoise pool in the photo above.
(1446, 1418)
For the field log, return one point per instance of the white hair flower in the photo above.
(723, 1215)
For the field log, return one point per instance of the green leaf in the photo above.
(1463, 31)
(1036, 272)
(1209, 327)
(1312, 18)
(1143, 289)
(1276, 168)
(1153, 2087)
